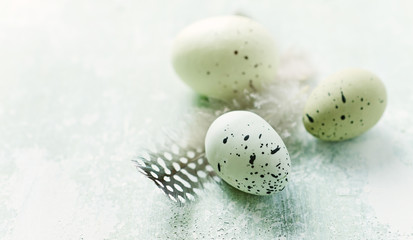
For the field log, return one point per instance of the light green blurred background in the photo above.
(85, 84)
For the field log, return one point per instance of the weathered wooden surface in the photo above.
(82, 83)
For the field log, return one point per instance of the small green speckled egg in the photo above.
(345, 105)
(220, 57)
(247, 153)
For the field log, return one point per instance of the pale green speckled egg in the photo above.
(248, 153)
(345, 105)
(220, 57)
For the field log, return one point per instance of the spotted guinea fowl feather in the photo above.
(179, 172)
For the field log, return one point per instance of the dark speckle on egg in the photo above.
(275, 150)
(343, 98)
(310, 118)
(252, 158)
(251, 85)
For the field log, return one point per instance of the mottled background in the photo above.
(85, 84)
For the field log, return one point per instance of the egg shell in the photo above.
(345, 105)
(247, 153)
(220, 57)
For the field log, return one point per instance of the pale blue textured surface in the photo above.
(82, 81)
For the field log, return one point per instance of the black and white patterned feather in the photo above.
(179, 172)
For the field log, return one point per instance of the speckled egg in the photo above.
(345, 105)
(222, 56)
(247, 153)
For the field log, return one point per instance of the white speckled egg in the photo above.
(221, 56)
(345, 105)
(247, 153)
